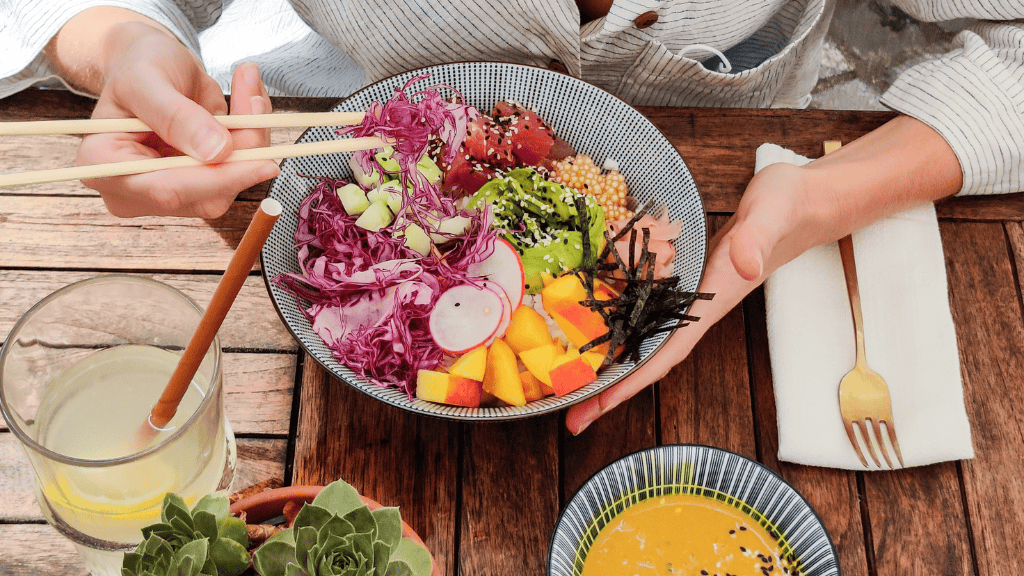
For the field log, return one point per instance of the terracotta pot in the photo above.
(270, 504)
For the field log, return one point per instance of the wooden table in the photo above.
(485, 497)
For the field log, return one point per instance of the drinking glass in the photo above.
(79, 374)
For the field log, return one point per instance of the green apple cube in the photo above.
(455, 225)
(376, 216)
(364, 179)
(353, 199)
(387, 161)
(416, 239)
(429, 169)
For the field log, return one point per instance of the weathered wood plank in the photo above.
(917, 516)
(997, 207)
(259, 459)
(35, 104)
(60, 105)
(987, 312)
(509, 486)
(832, 493)
(79, 233)
(705, 399)
(251, 324)
(392, 456)
(258, 392)
(1015, 234)
(918, 523)
(627, 429)
(37, 550)
(19, 502)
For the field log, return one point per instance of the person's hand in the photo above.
(786, 210)
(778, 218)
(151, 76)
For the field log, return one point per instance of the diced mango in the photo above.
(431, 386)
(463, 392)
(571, 375)
(445, 388)
(581, 325)
(569, 354)
(472, 364)
(502, 376)
(593, 358)
(527, 330)
(540, 360)
(531, 386)
(570, 287)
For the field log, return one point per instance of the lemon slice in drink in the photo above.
(129, 493)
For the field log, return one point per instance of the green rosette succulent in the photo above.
(205, 541)
(338, 535)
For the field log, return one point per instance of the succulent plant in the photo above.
(207, 541)
(338, 535)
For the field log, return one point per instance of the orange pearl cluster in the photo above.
(607, 187)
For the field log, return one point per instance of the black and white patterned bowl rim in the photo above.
(678, 468)
(592, 120)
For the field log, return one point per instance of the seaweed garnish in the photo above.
(644, 305)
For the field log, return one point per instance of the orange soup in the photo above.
(685, 534)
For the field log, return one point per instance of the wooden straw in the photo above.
(237, 270)
(140, 166)
(235, 122)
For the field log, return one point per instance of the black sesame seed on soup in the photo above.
(687, 534)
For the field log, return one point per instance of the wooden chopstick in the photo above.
(238, 121)
(140, 166)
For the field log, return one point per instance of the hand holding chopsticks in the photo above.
(96, 126)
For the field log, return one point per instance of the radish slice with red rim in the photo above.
(465, 317)
(505, 268)
(506, 313)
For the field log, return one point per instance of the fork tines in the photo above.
(871, 438)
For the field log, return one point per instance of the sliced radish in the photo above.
(504, 267)
(465, 317)
(506, 312)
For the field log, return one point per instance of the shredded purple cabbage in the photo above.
(411, 126)
(366, 294)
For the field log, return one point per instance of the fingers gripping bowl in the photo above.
(592, 121)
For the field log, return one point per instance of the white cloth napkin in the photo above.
(908, 332)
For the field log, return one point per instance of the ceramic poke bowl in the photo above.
(762, 502)
(593, 121)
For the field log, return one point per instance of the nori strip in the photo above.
(644, 305)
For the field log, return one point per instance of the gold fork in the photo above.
(863, 393)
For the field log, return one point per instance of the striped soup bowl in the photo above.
(732, 479)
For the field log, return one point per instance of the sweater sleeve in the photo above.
(26, 26)
(974, 97)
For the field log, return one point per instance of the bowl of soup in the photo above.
(689, 509)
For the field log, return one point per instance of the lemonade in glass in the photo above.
(79, 374)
